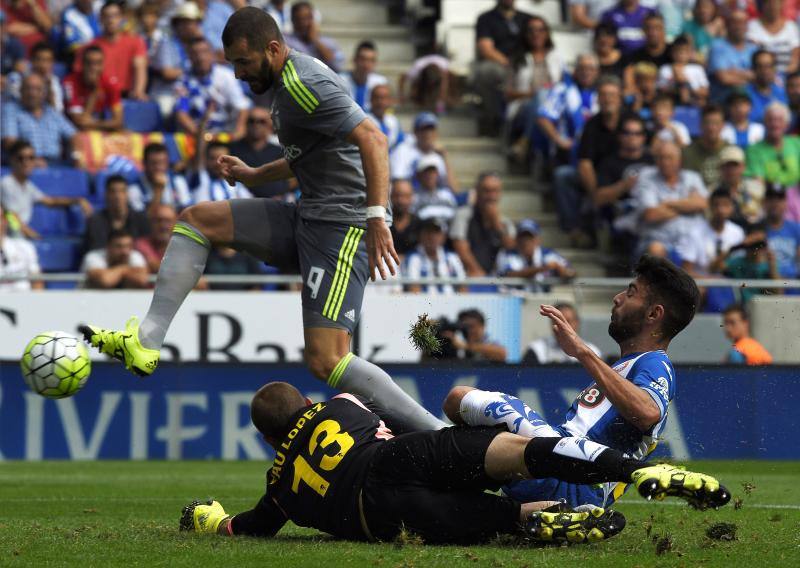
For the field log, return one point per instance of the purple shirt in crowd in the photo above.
(630, 35)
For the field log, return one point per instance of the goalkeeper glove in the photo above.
(203, 518)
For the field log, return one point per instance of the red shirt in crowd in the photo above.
(22, 13)
(76, 93)
(119, 55)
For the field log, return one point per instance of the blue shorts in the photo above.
(551, 489)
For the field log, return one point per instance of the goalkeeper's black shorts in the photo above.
(432, 484)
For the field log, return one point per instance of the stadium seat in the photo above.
(690, 118)
(62, 182)
(57, 221)
(141, 116)
(58, 254)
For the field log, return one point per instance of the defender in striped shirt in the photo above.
(336, 237)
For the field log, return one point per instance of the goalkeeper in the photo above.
(339, 469)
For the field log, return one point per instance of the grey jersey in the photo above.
(313, 115)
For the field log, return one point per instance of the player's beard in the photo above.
(264, 80)
(623, 328)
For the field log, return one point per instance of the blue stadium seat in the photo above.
(57, 221)
(141, 116)
(690, 118)
(58, 254)
(62, 182)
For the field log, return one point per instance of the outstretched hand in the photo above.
(234, 169)
(380, 249)
(567, 338)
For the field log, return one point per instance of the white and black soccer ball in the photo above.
(55, 364)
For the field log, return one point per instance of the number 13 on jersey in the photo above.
(327, 435)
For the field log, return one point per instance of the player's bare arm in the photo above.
(632, 402)
(374, 150)
(234, 169)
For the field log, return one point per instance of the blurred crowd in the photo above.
(677, 134)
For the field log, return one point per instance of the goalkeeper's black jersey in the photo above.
(319, 470)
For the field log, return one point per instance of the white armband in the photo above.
(376, 211)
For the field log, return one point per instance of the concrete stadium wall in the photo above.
(775, 322)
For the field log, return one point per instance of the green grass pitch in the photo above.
(126, 513)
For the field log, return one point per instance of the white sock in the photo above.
(484, 408)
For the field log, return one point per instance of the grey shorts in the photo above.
(330, 257)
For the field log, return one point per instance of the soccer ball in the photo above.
(55, 364)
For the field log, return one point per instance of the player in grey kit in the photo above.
(337, 237)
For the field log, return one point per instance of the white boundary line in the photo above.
(745, 505)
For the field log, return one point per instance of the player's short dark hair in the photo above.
(673, 288)
(738, 97)
(720, 193)
(297, 6)
(662, 98)
(254, 25)
(758, 53)
(605, 28)
(42, 46)
(91, 49)
(18, 146)
(736, 309)
(681, 41)
(366, 44)
(712, 108)
(154, 148)
(472, 314)
(116, 178)
(272, 407)
(119, 234)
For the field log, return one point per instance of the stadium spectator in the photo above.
(793, 94)
(153, 245)
(307, 38)
(670, 201)
(479, 232)
(683, 79)
(206, 178)
(12, 52)
(547, 351)
(536, 69)
(433, 200)
(645, 91)
(211, 90)
(171, 62)
(79, 25)
(43, 58)
(703, 155)
(758, 262)
(529, 259)
(655, 49)
(665, 129)
(424, 141)
(28, 21)
(730, 58)
(18, 194)
(215, 16)
(705, 252)
(608, 54)
(127, 51)
(747, 193)
(93, 101)
(405, 225)
(628, 16)
(157, 183)
(777, 157)
(562, 118)
(258, 147)
(18, 259)
(766, 86)
(598, 139)
(430, 259)
(586, 14)
(117, 265)
(148, 18)
(115, 216)
(617, 175)
(739, 129)
(783, 237)
(498, 34)
(476, 344)
(281, 12)
(704, 26)
(745, 349)
(363, 78)
(430, 83)
(225, 260)
(380, 102)
(773, 32)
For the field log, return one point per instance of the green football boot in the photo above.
(662, 480)
(123, 345)
(592, 525)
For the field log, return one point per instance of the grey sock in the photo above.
(181, 268)
(358, 376)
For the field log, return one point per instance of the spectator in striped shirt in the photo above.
(79, 25)
(430, 259)
(363, 78)
(380, 101)
(433, 201)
